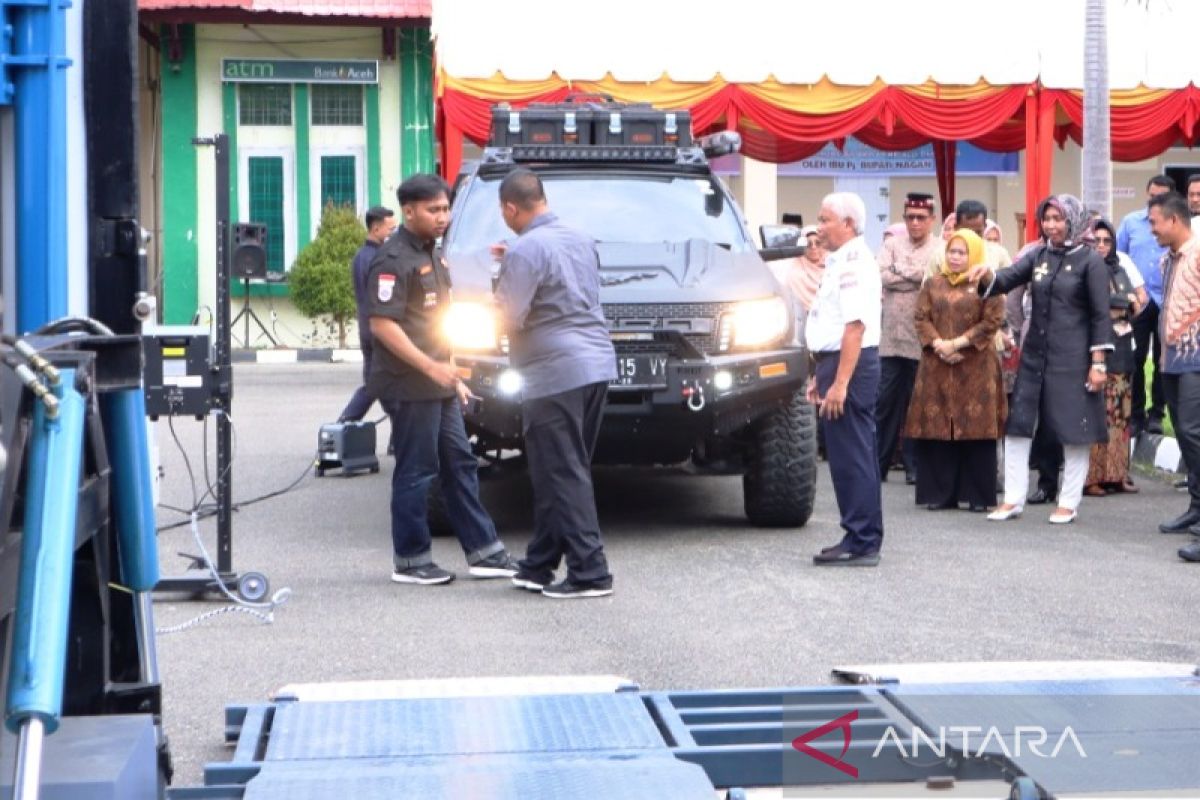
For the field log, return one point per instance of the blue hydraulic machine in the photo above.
(78, 542)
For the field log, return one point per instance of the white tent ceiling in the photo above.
(852, 42)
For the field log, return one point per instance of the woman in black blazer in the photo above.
(1061, 378)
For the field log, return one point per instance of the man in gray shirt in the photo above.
(548, 293)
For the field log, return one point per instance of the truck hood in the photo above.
(693, 271)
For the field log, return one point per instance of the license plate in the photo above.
(642, 372)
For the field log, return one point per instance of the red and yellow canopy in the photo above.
(792, 77)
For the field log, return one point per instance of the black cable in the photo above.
(64, 324)
(187, 462)
(210, 509)
(208, 481)
(205, 510)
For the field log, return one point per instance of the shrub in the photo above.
(321, 282)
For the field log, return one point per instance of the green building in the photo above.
(322, 102)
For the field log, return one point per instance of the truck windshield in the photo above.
(637, 209)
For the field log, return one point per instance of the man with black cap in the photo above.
(902, 264)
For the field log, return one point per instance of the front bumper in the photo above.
(686, 401)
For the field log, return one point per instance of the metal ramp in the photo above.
(554, 746)
(1139, 736)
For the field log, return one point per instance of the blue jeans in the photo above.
(850, 447)
(431, 440)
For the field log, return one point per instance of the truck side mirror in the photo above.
(780, 253)
(779, 235)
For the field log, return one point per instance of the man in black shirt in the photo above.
(414, 376)
(380, 224)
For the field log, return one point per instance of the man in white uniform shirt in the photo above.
(842, 334)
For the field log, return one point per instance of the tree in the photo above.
(1097, 141)
(321, 281)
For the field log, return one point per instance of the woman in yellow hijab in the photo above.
(969, 251)
(958, 404)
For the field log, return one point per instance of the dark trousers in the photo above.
(361, 400)
(850, 444)
(431, 440)
(1183, 399)
(560, 438)
(949, 473)
(1046, 456)
(1146, 346)
(896, 379)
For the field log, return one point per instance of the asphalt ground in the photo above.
(702, 599)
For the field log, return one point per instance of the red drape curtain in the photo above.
(1138, 131)
(1019, 117)
(892, 119)
(944, 155)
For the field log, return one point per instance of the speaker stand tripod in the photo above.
(247, 314)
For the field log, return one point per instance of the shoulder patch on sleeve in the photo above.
(387, 284)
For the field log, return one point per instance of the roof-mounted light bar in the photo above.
(568, 152)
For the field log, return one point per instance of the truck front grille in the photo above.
(699, 323)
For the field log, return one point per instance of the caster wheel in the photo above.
(253, 586)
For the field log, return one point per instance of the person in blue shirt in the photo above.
(380, 224)
(1135, 240)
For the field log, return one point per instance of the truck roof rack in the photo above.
(709, 146)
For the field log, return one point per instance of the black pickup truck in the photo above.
(707, 372)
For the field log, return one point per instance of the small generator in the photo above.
(349, 446)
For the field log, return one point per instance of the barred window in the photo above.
(264, 104)
(337, 104)
(266, 204)
(338, 178)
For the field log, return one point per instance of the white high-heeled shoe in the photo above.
(1002, 514)
(1062, 519)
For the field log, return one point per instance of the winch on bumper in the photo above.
(656, 397)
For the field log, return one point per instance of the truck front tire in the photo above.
(780, 482)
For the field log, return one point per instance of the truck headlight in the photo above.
(470, 327)
(754, 323)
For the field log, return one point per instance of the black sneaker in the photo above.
(532, 581)
(567, 589)
(425, 575)
(497, 565)
(838, 556)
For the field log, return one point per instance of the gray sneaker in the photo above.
(425, 575)
(497, 565)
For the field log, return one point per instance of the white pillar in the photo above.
(761, 191)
